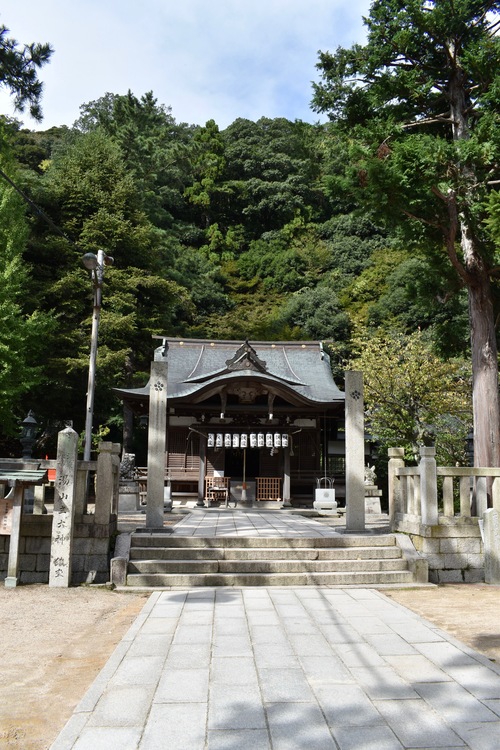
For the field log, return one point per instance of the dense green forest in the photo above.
(267, 230)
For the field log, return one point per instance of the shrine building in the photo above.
(265, 420)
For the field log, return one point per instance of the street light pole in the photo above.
(95, 264)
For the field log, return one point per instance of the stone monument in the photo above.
(128, 498)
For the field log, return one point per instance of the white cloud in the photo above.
(222, 59)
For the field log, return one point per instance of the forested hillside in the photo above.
(377, 233)
(242, 233)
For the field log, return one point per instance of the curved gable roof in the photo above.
(196, 366)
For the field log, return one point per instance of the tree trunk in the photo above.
(485, 399)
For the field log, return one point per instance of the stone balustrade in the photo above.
(441, 509)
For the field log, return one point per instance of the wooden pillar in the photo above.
(203, 466)
(286, 477)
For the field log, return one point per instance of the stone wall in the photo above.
(453, 547)
(90, 556)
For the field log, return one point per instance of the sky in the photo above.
(206, 59)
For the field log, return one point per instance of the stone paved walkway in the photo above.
(250, 523)
(286, 669)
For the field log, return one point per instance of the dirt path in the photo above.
(55, 641)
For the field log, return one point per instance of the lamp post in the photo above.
(95, 264)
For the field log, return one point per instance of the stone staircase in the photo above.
(161, 560)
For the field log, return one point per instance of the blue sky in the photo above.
(207, 59)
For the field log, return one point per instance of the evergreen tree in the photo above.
(417, 107)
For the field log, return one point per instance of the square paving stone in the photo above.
(233, 670)
(479, 736)
(150, 645)
(382, 683)
(175, 726)
(188, 656)
(122, 707)
(238, 739)
(108, 738)
(321, 670)
(416, 668)
(296, 726)
(183, 686)
(347, 706)
(366, 738)
(417, 725)
(284, 685)
(138, 670)
(235, 707)
(453, 703)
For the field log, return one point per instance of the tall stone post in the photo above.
(15, 532)
(107, 487)
(396, 461)
(491, 546)
(157, 432)
(64, 509)
(428, 486)
(355, 451)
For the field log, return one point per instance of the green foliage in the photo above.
(412, 396)
(21, 334)
(19, 71)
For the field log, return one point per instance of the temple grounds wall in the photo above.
(444, 525)
(92, 544)
(59, 547)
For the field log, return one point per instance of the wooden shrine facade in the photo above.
(263, 417)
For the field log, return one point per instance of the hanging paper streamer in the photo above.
(236, 440)
(253, 440)
(243, 440)
(219, 440)
(210, 440)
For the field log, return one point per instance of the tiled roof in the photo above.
(195, 365)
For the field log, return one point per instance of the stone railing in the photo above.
(450, 539)
(413, 490)
(89, 534)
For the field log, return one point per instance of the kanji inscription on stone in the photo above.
(5, 516)
(64, 509)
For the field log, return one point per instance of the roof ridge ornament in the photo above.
(246, 358)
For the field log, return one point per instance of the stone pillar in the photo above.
(428, 486)
(157, 432)
(481, 495)
(15, 533)
(286, 477)
(355, 451)
(64, 509)
(107, 481)
(396, 461)
(203, 467)
(491, 546)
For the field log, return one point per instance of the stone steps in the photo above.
(256, 553)
(154, 580)
(163, 560)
